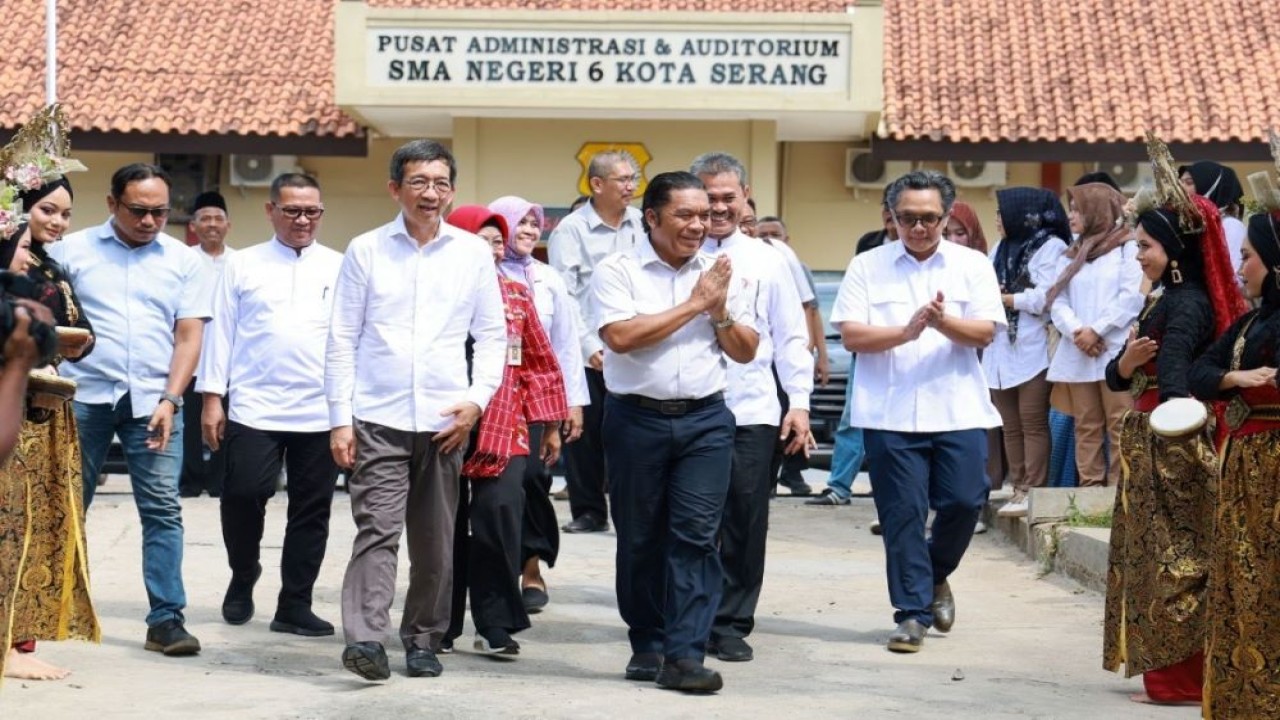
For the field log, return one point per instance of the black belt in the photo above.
(670, 407)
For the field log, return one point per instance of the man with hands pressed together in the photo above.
(671, 318)
(916, 312)
(401, 407)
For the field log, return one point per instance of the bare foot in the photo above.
(26, 666)
(1146, 699)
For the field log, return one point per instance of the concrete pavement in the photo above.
(1022, 647)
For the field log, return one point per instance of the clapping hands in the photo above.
(712, 289)
(929, 315)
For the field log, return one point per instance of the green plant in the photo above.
(1078, 518)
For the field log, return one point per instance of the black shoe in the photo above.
(422, 663)
(943, 607)
(446, 646)
(730, 649)
(301, 621)
(237, 604)
(828, 497)
(644, 667)
(586, 524)
(689, 675)
(171, 638)
(367, 659)
(908, 637)
(875, 528)
(797, 486)
(534, 599)
(496, 641)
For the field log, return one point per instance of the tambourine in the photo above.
(1178, 418)
(48, 391)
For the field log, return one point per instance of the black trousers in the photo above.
(199, 475)
(785, 468)
(584, 459)
(668, 477)
(540, 535)
(486, 560)
(744, 530)
(254, 459)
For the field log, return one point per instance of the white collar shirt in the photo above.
(134, 297)
(1008, 364)
(688, 364)
(1105, 295)
(396, 350)
(930, 384)
(751, 393)
(575, 249)
(271, 309)
(558, 314)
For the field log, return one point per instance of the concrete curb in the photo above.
(1046, 536)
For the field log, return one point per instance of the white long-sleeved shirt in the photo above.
(396, 351)
(1009, 364)
(1106, 295)
(783, 332)
(576, 247)
(686, 365)
(271, 311)
(796, 268)
(558, 314)
(930, 384)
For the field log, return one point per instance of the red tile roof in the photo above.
(637, 5)
(242, 67)
(1081, 70)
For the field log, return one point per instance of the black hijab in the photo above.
(1181, 247)
(1215, 181)
(1264, 236)
(1030, 216)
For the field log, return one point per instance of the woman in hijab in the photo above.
(1221, 186)
(1034, 225)
(1094, 300)
(52, 602)
(491, 500)
(963, 227)
(1163, 521)
(1243, 603)
(541, 536)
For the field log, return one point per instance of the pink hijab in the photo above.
(514, 209)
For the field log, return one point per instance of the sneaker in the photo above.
(496, 641)
(1004, 492)
(300, 621)
(1014, 508)
(172, 639)
(828, 497)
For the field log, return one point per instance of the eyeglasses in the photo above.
(420, 184)
(293, 213)
(625, 180)
(139, 212)
(929, 221)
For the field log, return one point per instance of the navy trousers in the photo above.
(668, 480)
(911, 473)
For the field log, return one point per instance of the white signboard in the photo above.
(794, 61)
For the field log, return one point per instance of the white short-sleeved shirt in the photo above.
(930, 384)
(688, 364)
(133, 296)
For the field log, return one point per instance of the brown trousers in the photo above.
(1098, 412)
(1024, 409)
(400, 481)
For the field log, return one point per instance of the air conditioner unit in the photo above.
(1130, 176)
(260, 170)
(977, 173)
(861, 170)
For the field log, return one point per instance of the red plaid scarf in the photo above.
(532, 391)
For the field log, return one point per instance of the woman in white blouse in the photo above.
(1033, 225)
(1094, 301)
(558, 314)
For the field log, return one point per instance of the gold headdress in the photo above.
(36, 155)
(1264, 191)
(1168, 191)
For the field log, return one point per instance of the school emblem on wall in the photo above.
(636, 150)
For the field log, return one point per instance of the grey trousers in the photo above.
(400, 481)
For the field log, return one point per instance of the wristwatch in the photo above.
(175, 400)
(724, 324)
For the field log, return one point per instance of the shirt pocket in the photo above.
(889, 304)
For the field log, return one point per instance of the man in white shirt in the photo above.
(401, 406)
(147, 295)
(671, 319)
(916, 312)
(267, 340)
(604, 225)
(753, 400)
(203, 472)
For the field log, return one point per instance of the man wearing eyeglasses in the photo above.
(267, 340)
(604, 225)
(147, 295)
(916, 312)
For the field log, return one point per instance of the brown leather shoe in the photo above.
(908, 637)
(943, 607)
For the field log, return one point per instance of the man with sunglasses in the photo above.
(916, 312)
(147, 295)
(271, 311)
